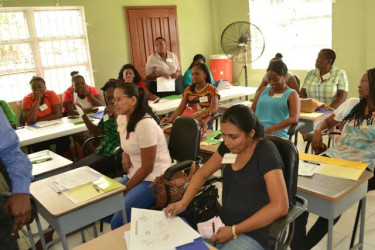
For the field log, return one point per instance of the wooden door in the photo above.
(144, 25)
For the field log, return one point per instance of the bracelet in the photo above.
(234, 235)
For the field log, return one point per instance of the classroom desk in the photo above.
(64, 215)
(112, 240)
(57, 165)
(329, 197)
(312, 122)
(30, 135)
(165, 107)
(226, 106)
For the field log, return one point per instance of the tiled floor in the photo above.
(341, 235)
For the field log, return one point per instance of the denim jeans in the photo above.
(243, 242)
(139, 196)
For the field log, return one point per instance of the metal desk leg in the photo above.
(330, 233)
(362, 231)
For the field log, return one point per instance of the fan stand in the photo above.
(245, 65)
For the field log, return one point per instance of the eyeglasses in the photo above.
(118, 99)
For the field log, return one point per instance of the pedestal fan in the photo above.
(242, 41)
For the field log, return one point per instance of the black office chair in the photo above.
(293, 131)
(281, 230)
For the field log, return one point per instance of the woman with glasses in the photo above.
(146, 154)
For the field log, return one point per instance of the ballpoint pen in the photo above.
(213, 231)
(96, 188)
(312, 162)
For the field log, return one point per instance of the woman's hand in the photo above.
(166, 120)
(174, 76)
(154, 97)
(317, 142)
(269, 130)
(38, 95)
(174, 209)
(223, 235)
(165, 75)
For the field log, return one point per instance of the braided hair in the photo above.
(358, 112)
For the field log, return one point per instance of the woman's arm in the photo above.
(262, 84)
(69, 107)
(126, 163)
(96, 100)
(56, 113)
(176, 113)
(276, 208)
(256, 98)
(317, 141)
(303, 93)
(341, 97)
(292, 83)
(214, 104)
(199, 178)
(294, 111)
(148, 156)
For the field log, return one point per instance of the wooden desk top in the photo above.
(112, 240)
(49, 166)
(56, 203)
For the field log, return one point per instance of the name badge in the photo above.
(121, 128)
(229, 158)
(170, 60)
(105, 117)
(43, 107)
(203, 99)
(277, 96)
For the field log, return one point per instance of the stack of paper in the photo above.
(39, 157)
(85, 186)
(43, 124)
(151, 229)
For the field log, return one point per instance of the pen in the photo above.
(311, 162)
(96, 188)
(213, 231)
(156, 100)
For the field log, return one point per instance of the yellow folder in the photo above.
(336, 167)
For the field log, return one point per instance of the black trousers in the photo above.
(153, 89)
(62, 145)
(303, 241)
(102, 164)
(7, 242)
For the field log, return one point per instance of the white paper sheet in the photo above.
(208, 228)
(307, 168)
(151, 229)
(165, 85)
(72, 181)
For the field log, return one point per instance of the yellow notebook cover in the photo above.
(90, 190)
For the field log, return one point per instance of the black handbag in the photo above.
(203, 207)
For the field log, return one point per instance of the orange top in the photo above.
(50, 99)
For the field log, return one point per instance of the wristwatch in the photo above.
(234, 235)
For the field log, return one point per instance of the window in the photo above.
(298, 29)
(49, 42)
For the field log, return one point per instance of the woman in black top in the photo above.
(254, 192)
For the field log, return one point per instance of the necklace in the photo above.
(200, 91)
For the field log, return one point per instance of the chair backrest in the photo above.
(289, 155)
(179, 83)
(184, 139)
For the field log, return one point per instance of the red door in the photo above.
(144, 25)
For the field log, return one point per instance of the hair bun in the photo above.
(278, 56)
(73, 73)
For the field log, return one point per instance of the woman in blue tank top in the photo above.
(277, 106)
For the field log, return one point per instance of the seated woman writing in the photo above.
(254, 192)
(277, 107)
(356, 143)
(43, 105)
(128, 73)
(146, 154)
(200, 99)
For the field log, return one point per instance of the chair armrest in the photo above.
(183, 165)
(277, 227)
(90, 139)
(295, 128)
(118, 152)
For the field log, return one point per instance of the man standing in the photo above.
(16, 211)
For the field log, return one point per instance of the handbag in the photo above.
(174, 187)
(203, 207)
